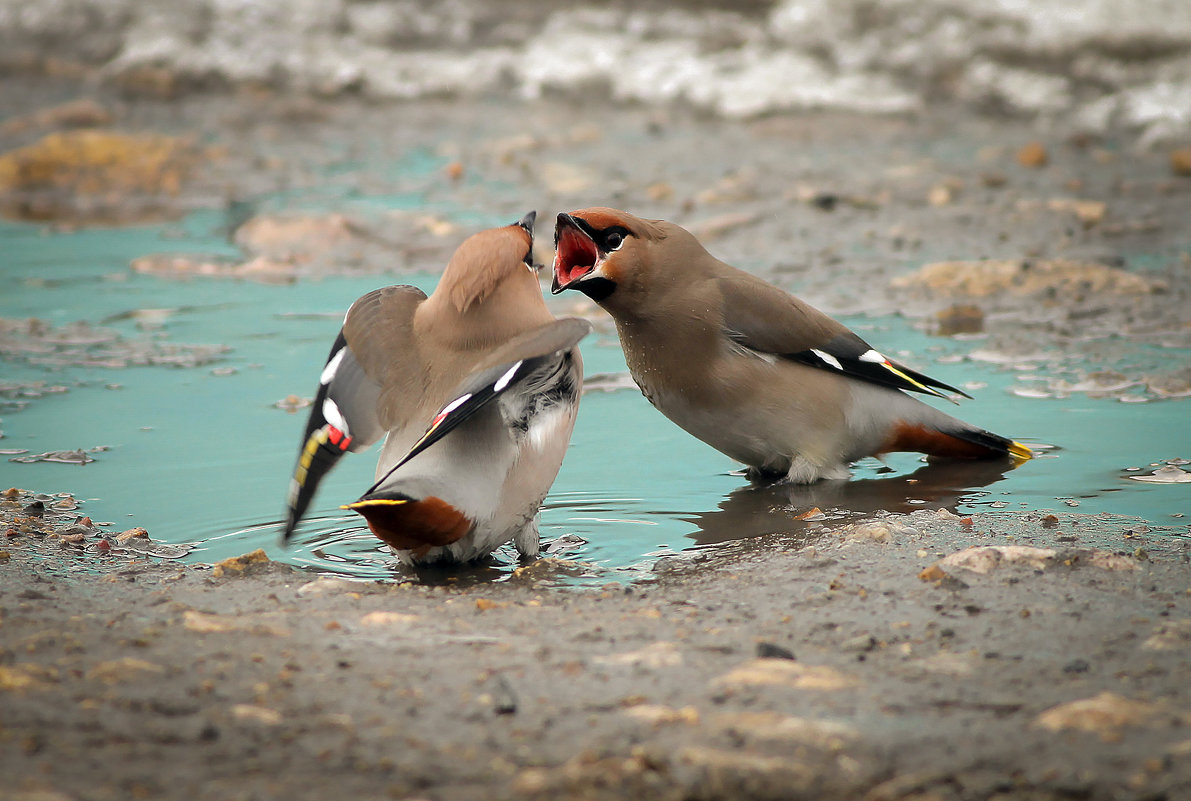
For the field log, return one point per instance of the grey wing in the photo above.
(763, 318)
(526, 362)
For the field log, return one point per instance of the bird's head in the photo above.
(486, 261)
(599, 251)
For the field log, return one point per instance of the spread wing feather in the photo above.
(509, 366)
(374, 343)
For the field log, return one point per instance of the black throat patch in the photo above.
(597, 288)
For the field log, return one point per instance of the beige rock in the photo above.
(174, 265)
(944, 663)
(565, 178)
(658, 715)
(94, 176)
(131, 534)
(1180, 161)
(1180, 749)
(207, 623)
(1173, 635)
(1111, 561)
(376, 619)
(547, 568)
(1104, 714)
(655, 655)
(985, 558)
(123, 670)
(236, 565)
(785, 672)
(264, 269)
(1033, 154)
(91, 162)
(504, 149)
(324, 586)
(576, 777)
(295, 237)
(940, 195)
(204, 623)
(872, 531)
(770, 726)
(25, 677)
(933, 573)
(1017, 277)
(256, 714)
(959, 318)
(1088, 212)
(739, 187)
(731, 769)
(659, 191)
(715, 227)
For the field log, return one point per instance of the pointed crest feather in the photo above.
(481, 263)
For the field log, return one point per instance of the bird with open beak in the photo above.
(475, 389)
(747, 367)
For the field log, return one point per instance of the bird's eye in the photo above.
(613, 241)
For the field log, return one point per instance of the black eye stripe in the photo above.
(612, 237)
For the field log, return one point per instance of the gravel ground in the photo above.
(850, 664)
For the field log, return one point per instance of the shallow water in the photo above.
(202, 454)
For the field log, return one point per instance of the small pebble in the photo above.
(1033, 155)
(504, 699)
(667, 564)
(1180, 161)
(859, 643)
(769, 650)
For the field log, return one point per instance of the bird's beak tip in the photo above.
(527, 221)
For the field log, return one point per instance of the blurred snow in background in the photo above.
(1103, 63)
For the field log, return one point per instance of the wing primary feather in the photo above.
(924, 383)
(342, 418)
(886, 373)
(322, 449)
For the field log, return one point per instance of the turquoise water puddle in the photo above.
(202, 455)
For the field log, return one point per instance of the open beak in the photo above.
(575, 252)
(526, 224)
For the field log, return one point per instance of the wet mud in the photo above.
(864, 661)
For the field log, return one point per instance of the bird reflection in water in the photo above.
(755, 510)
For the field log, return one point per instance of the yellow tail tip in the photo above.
(374, 502)
(1020, 452)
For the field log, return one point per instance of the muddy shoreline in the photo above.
(855, 663)
(840, 663)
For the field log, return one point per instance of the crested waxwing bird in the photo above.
(746, 367)
(475, 389)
